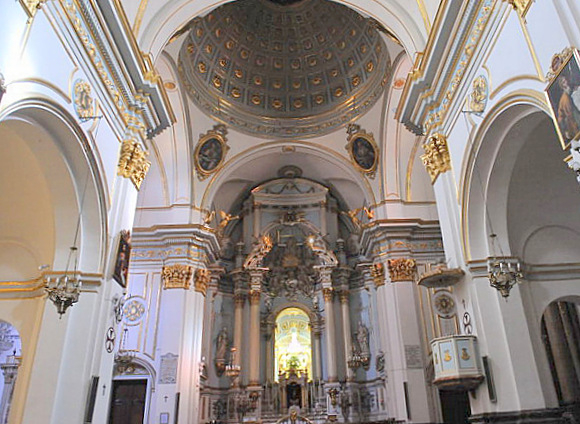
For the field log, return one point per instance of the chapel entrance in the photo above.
(128, 403)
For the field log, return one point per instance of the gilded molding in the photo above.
(436, 158)
(133, 163)
(31, 6)
(177, 276)
(402, 269)
(201, 280)
(378, 274)
(521, 6)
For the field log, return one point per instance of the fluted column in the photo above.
(257, 220)
(239, 300)
(10, 370)
(328, 293)
(323, 228)
(255, 296)
(344, 307)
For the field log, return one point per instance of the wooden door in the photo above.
(128, 402)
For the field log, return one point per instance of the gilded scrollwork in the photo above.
(177, 276)
(83, 100)
(133, 163)
(378, 274)
(402, 269)
(558, 60)
(478, 95)
(436, 158)
(31, 6)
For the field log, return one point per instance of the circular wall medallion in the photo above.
(363, 150)
(134, 310)
(444, 304)
(211, 151)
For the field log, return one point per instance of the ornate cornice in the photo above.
(177, 276)
(402, 269)
(436, 158)
(133, 163)
(99, 34)
(436, 88)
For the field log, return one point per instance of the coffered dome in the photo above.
(284, 68)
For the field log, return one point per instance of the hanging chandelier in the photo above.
(64, 290)
(504, 273)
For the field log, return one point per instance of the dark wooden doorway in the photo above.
(455, 407)
(128, 402)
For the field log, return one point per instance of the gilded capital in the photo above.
(402, 269)
(202, 279)
(327, 292)
(239, 299)
(378, 274)
(177, 276)
(436, 158)
(344, 296)
(255, 296)
(133, 163)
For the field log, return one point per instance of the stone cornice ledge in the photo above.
(437, 85)
(106, 49)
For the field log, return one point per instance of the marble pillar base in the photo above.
(569, 414)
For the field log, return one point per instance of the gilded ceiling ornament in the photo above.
(31, 6)
(558, 61)
(363, 150)
(177, 276)
(521, 6)
(478, 95)
(83, 100)
(402, 269)
(133, 163)
(202, 279)
(211, 150)
(328, 292)
(436, 158)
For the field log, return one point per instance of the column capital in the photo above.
(344, 296)
(402, 269)
(239, 299)
(201, 280)
(327, 292)
(255, 296)
(176, 276)
(378, 274)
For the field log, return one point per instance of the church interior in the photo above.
(289, 211)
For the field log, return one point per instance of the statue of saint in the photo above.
(362, 336)
(221, 345)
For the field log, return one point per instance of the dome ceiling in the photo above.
(284, 68)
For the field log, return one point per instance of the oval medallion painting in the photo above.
(363, 150)
(210, 151)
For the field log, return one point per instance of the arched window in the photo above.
(293, 347)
